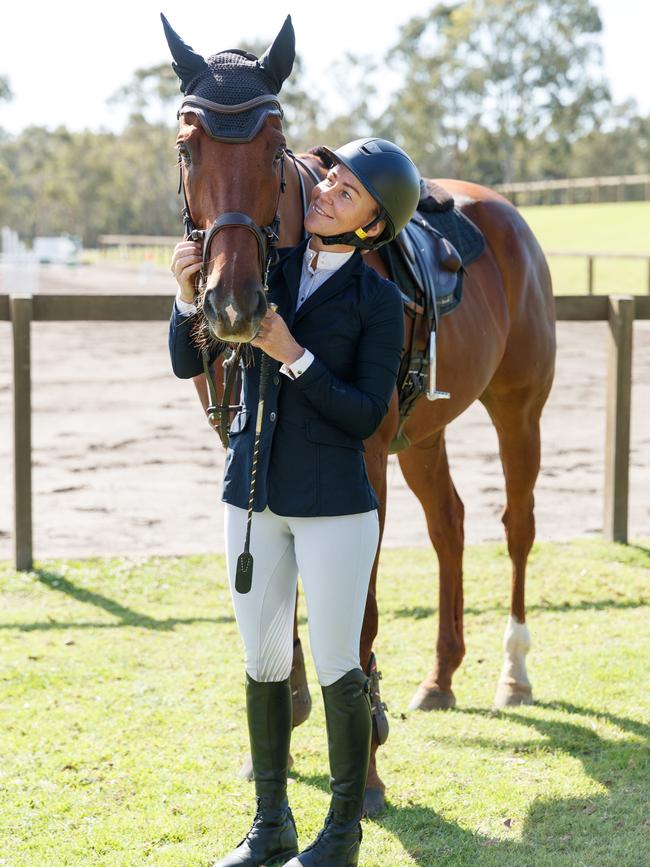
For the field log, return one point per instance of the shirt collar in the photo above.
(327, 261)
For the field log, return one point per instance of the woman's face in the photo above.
(340, 203)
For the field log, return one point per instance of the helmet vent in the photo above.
(371, 147)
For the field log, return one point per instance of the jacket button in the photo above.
(276, 380)
(273, 416)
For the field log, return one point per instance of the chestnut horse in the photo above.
(497, 347)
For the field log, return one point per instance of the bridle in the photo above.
(267, 247)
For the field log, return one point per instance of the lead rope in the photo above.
(244, 573)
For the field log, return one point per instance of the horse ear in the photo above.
(277, 61)
(187, 63)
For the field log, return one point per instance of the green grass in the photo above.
(609, 227)
(122, 721)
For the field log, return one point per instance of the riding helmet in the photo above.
(391, 178)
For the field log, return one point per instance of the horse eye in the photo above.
(279, 153)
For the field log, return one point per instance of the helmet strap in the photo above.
(358, 237)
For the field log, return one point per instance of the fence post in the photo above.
(21, 315)
(617, 438)
(590, 275)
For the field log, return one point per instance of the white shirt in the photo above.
(311, 279)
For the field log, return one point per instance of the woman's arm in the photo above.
(185, 355)
(358, 407)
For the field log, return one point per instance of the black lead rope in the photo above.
(244, 573)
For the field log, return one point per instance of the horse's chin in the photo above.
(226, 335)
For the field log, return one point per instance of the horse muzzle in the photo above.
(229, 319)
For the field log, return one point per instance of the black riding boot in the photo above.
(349, 729)
(272, 839)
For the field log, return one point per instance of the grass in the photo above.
(122, 719)
(616, 227)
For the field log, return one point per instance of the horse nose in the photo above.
(233, 318)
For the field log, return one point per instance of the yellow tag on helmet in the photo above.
(361, 234)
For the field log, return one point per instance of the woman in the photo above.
(335, 344)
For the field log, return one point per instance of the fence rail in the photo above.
(542, 191)
(591, 257)
(21, 310)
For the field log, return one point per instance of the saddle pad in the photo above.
(460, 230)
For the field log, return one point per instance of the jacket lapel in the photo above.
(332, 286)
(283, 286)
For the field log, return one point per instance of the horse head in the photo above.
(231, 152)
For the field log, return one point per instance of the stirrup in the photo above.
(433, 393)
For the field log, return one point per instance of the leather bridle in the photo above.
(266, 236)
(267, 240)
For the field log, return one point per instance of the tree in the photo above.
(152, 93)
(503, 72)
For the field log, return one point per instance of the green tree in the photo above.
(501, 74)
(152, 92)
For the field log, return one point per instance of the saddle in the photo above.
(427, 260)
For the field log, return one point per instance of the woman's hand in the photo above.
(185, 265)
(276, 340)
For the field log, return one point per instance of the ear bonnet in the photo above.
(232, 92)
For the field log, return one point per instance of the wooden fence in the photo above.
(21, 310)
(591, 258)
(566, 191)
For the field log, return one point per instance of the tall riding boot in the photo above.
(272, 839)
(349, 729)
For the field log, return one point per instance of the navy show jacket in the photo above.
(311, 447)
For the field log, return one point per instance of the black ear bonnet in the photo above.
(232, 92)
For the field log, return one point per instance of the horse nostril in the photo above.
(262, 305)
(209, 309)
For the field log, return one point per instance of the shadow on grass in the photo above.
(418, 612)
(605, 828)
(125, 616)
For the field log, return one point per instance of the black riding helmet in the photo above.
(390, 177)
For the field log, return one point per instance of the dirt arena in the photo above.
(125, 464)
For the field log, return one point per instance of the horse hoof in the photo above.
(432, 699)
(513, 694)
(246, 770)
(374, 803)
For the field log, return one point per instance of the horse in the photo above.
(498, 346)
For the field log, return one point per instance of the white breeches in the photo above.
(334, 556)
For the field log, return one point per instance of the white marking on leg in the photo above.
(516, 644)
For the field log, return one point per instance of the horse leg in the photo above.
(374, 801)
(299, 686)
(517, 423)
(426, 470)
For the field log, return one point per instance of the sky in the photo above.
(65, 59)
